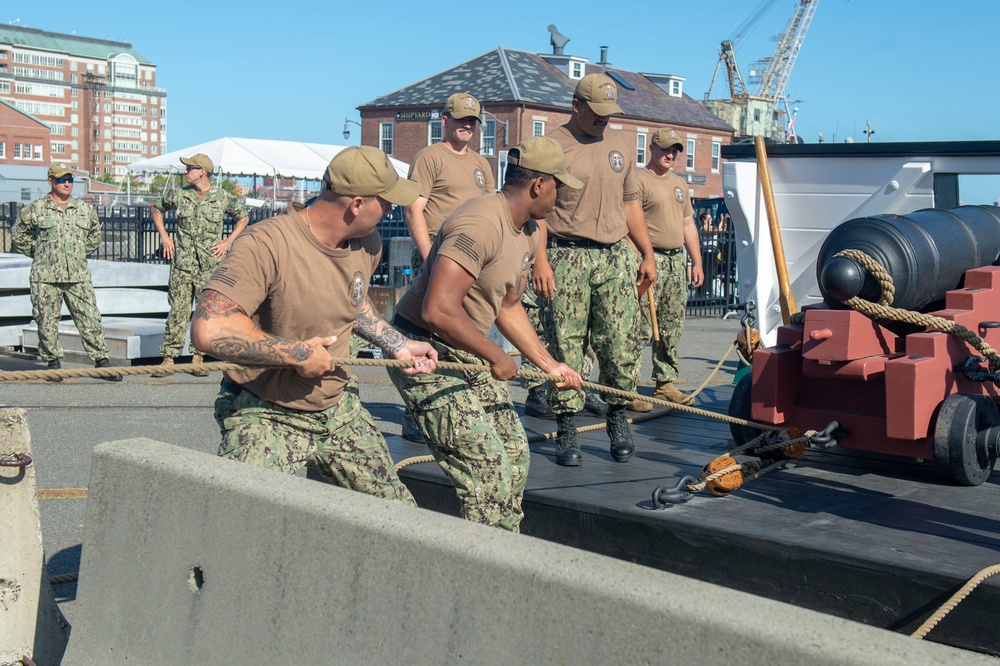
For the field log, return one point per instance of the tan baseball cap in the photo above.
(59, 169)
(364, 171)
(600, 93)
(463, 105)
(544, 155)
(199, 160)
(666, 138)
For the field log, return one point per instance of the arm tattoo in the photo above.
(372, 327)
(268, 351)
(213, 304)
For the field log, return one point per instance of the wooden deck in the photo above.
(877, 540)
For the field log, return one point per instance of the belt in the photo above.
(231, 386)
(584, 243)
(669, 253)
(407, 326)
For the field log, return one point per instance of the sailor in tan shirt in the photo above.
(449, 173)
(475, 274)
(670, 219)
(587, 277)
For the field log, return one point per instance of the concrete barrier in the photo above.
(188, 558)
(30, 623)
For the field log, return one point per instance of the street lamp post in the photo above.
(347, 127)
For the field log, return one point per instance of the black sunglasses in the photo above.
(191, 167)
(64, 179)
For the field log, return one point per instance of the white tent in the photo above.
(255, 157)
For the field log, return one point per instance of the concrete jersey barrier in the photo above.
(188, 558)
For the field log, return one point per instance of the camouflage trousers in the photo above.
(595, 304)
(46, 309)
(671, 294)
(341, 443)
(532, 307)
(475, 435)
(184, 288)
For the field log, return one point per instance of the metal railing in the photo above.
(129, 235)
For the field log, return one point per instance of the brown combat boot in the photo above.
(640, 406)
(667, 391)
(198, 359)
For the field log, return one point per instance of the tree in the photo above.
(229, 185)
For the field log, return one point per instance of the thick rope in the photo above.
(955, 600)
(883, 310)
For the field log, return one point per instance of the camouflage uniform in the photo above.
(58, 242)
(533, 308)
(588, 277)
(342, 442)
(474, 434)
(199, 227)
(671, 302)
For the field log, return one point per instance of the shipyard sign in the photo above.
(420, 114)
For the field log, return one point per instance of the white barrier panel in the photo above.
(30, 623)
(190, 559)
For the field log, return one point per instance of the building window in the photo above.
(690, 153)
(25, 194)
(538, 128)
(435, 132)
(385, 132)
(3, 150)
(716, 156)
(17, 151)
(38, 151)
(676, 88)
(640, 149)
(488, 138)
(576, 70)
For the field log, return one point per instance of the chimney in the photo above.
(604, 57)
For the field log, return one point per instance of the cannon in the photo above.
(894, 388)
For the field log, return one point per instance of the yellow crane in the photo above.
(761, 110)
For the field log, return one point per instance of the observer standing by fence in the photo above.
(58, 231)
(201, 209)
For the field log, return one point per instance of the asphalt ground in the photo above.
(67, 419)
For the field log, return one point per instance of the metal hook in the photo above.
(824, 438)
(677, 494)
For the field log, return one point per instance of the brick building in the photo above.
(24, 139)
(98, 98)
(526, 94)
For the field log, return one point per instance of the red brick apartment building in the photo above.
(98, 98)
(526, 94)
(24, 139)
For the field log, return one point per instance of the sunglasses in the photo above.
(64, 179)
(192, 168)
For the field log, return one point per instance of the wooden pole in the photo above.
(652, 314)
(785, 296)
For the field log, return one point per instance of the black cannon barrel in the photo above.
(926, 252)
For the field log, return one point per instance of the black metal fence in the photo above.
(717, 294)
(129, 235)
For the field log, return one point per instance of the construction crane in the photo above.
(762, 110)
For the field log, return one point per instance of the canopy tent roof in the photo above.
(255, 157)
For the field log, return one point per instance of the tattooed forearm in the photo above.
(372, 327)
(267, 351)
(213, 304)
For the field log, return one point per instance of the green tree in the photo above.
(229, 185)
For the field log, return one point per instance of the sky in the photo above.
(916, 70)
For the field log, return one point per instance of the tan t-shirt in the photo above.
(481, 238)
(448, 180)
(665, 203)
(597, 210)
(293, 286)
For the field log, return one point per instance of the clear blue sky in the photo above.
(916, 69)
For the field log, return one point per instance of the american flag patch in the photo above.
(467, 245)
